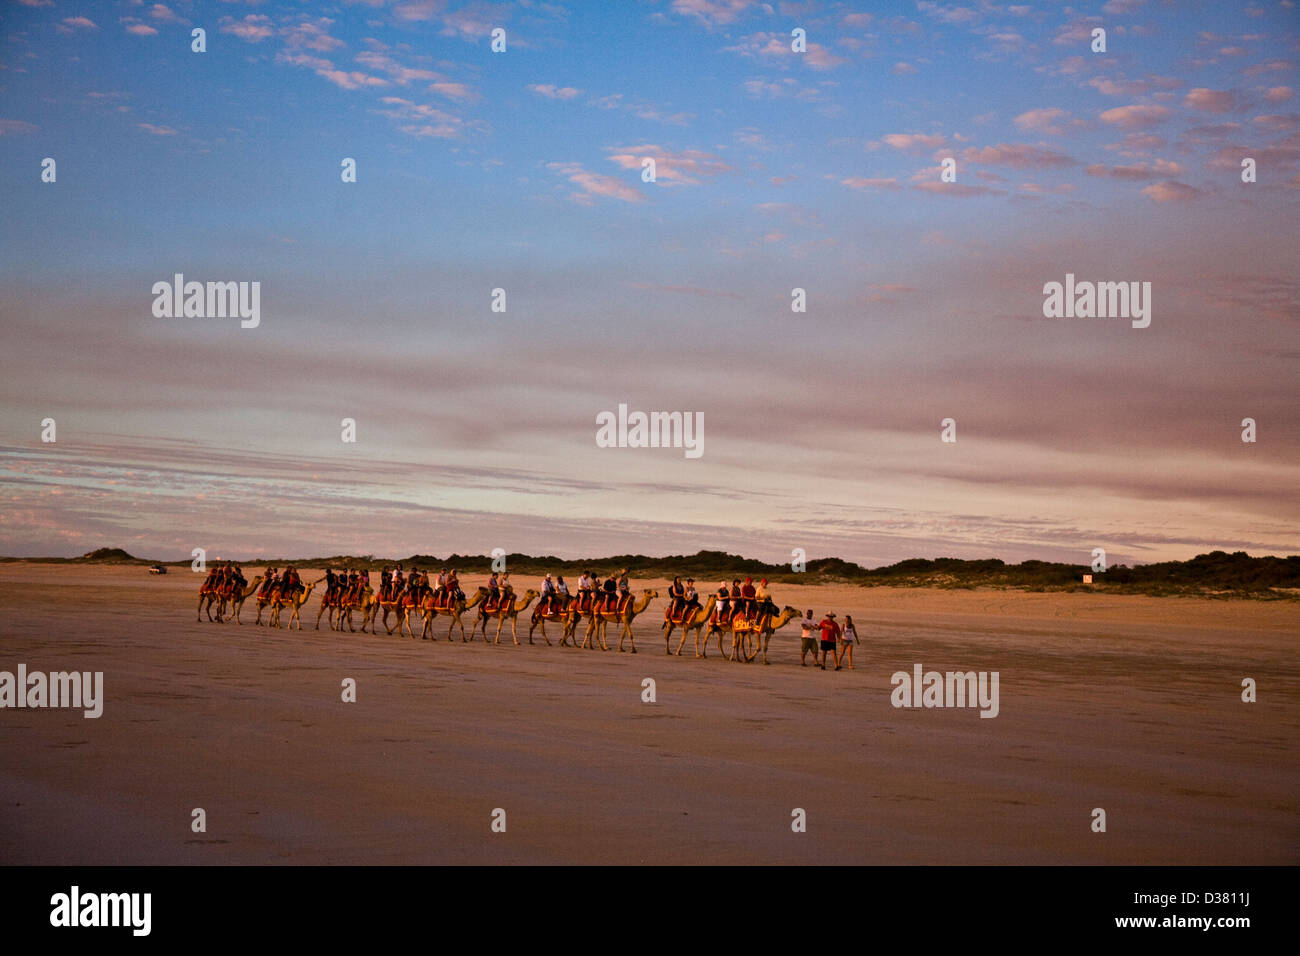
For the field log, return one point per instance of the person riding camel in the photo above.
(584, 591)
(737, 598)
(610, 594)
(453, 586)
(210, 582)
(724, 601)
(268, 582)
(548, 596)
(677, 595)
(765, 604)
(507, 590)
(562, 595)
(748, 595)
(494, 590)
(692, 598)
(624, 589)
(441, 589)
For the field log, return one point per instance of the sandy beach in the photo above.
(1131, 704)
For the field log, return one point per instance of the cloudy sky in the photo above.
(775, 170)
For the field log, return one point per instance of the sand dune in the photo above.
(1131, 704)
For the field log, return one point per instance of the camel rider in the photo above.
(737, 598)
(562, 593)
(692, 597)
(441, 589)
(494, 589)
(748, 595)
(268, 582)
(365, 583)
(584, 590)
(507, 590)
(765, 604)
(453, 585)
(240, 580)
(385, 583)
(548, 596)
(610, 594)
(677, 595)
(724, 600)
(624, 589)
(399, 582)
(210, 582)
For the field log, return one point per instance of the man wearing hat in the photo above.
(830, 634)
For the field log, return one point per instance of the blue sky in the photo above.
(521, 170)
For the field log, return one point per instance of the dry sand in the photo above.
(1127, 703)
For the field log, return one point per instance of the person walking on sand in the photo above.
(808, 643)
(830, 634)
(848, 637)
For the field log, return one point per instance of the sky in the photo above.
(775, 170)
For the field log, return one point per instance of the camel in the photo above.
(240, 596)
(563, 618)
(331, 605)
(626, 618)
(207, 595)
(741, 637)
(390, 605)
(296, 601)
(772, 624)
(454, 612)
(571, 619)
(511, 611)
(699, 617)
(365, 602)
(402, 606)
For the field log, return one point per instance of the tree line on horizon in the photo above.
(1217, 572)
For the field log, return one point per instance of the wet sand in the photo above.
(1132, 704)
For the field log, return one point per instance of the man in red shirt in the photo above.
(830, 634)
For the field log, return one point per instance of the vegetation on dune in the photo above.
(1217, 574)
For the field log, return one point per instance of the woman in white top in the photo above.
(848, 637)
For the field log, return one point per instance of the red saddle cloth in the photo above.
(678, 618)
(616, 607)
(493, 606)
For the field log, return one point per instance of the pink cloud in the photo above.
(1170, 191)
(254, 28)
(141, 30)
(1048, 120)
(1137, 171)
(79, 23)
(1210, 101)
(712, 12)
(595, 184)
(684, 167)
(956, 190)
(1277, 94)
(157, 130)
(1135, 117)
(913, 140)
(9, 127)
(1019, 155)
(862, 183)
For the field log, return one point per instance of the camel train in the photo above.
(740, 639)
